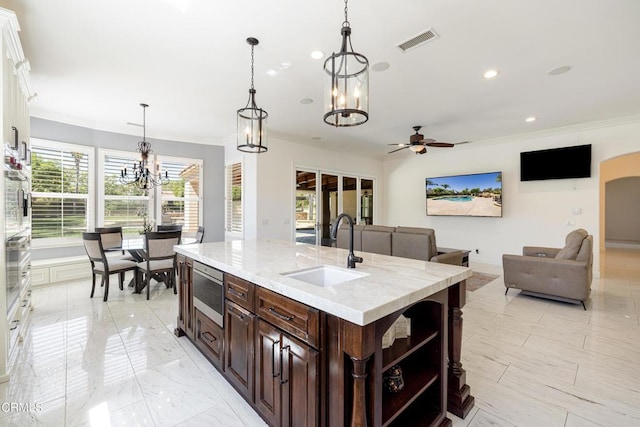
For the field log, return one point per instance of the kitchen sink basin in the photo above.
(325, 275)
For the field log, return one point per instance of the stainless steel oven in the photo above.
(208, 291)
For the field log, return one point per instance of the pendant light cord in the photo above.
(252, 66)
(346, 21)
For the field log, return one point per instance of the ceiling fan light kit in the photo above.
(346, 83)
(252, 120)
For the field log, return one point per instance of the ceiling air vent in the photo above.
(418, 40)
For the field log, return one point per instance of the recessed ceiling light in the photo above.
(306, 101)
(559, 70)
(316, 138)
(272, 72)
(380, 66)
(490, 74)
(317, 54)
(530, 119)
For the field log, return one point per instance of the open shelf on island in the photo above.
(404, 347)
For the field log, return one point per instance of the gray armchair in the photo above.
(562, 274)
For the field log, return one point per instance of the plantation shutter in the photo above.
(233, 198)
(180, 197)
(60, 189)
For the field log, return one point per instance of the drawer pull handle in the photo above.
(283, 380)
(237, 293)
(280, 315)
(273, 359)
(207, 334)
(15, 325)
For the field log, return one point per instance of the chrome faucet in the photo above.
(351, 259)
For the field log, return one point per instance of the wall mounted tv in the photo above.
(557, 163)
(477, 194)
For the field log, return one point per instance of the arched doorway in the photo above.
(617, 175)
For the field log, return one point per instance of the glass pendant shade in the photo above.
(346, 85)
(252, 127)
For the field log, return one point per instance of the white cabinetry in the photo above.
(15, 187)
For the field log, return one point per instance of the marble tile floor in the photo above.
(529, 361)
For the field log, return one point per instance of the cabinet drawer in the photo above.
(209, 338)
(239, 291)
(292, 316)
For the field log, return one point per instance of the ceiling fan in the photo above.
(418, 144)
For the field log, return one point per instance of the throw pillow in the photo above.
(572, 244)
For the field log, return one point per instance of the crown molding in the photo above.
(10, 27)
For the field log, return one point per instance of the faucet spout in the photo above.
(351, 259)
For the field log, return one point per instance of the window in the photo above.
(121, 205)
(62, 192)
(233, 198)
(179, 200)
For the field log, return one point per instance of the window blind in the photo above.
(60, 189)
(233, 197)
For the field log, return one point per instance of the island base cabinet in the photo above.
(185, 321)
(239, 348)
(209, 338)
(287, 378)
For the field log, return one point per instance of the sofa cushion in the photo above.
(572, 245)
(377, 239)
(418, 231)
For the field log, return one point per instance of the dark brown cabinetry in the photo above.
(239, 326)
(209, 338)
(298, 366)
(287, 378)
(185, 306)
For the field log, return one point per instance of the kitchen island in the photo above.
(305, 352)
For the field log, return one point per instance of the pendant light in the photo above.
(142, 173)
(346, 83)
(252, 120)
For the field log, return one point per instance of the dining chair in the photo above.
(169, 227)
(160, 257)
(112, 240)
(199, 234)
(103, 265)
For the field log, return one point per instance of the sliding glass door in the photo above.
(321, 196)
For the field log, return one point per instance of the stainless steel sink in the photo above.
(325, 275)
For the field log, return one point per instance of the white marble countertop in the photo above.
(391, 283)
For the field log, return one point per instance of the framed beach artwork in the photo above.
(478, 194)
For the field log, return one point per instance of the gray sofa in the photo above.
(564, 274)
(407, 242)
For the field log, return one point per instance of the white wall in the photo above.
(275, 182)
(534, 213)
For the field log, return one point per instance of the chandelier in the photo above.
(142, 174)
(346, 81)
(252, 120)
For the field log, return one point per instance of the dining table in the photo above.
(136, 248)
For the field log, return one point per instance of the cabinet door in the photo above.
(300, 383)
(239, 348)
(268, 368)
(209, 338)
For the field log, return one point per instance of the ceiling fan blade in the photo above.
(440, 144)
(401, 148)
(400, 144)
(427, 141)
(424, 150)
(461, 142)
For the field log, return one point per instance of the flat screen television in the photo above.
(556, 163)
(478, 194)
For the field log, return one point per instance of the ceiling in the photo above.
(93, 62)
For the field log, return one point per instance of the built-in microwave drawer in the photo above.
(292, 316)
(209, 338)
(240, 291)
